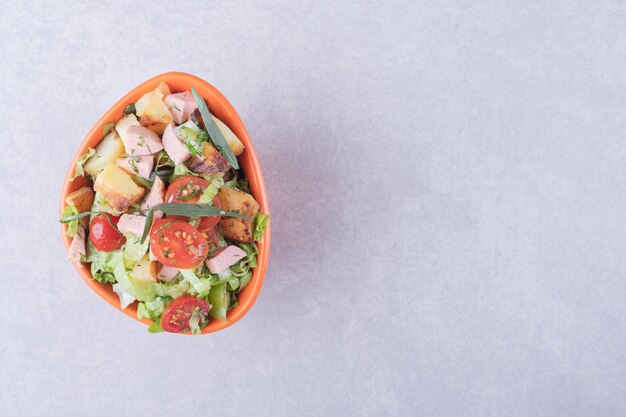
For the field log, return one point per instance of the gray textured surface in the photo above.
(447, 190)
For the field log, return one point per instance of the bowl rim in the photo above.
(255, 176)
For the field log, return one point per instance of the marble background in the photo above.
(448, 200)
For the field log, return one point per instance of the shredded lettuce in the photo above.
(245, 280)
(144, 182)
(80, 170)
(233, 284)
(174, 289)
(102, 264)
(101, 204)
(240, 274)
(225, 275)
(194, 322)
(251, 250)
(215, 183)
(233, 301)
(133, 249)
(125, 298)
(232, 183)
(243, 185)
(72, 227)
(260, 224)
(192, 137)
(142, 291)
(181, 170)
(163, 160)
(200, 286)
(239, 182)
(163, 169)
(152, 309)
(155, 326)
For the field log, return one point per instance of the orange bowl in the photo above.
(248, 161)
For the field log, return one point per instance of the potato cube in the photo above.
(107, 151)
(240, 230)
(142, 103)
(144, 271)
(156, 116)
(81, 199)
(212, 162)
(118, 188)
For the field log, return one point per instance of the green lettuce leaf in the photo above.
(163, 160)
(174, 289)
(72, 227)
(142, 291)
(245, 280)
(215, 183)
(260, 224)
(152, 309)
(195, 322)
(133, 249)
(233, 284)
(102, 263)
(125, 298)
(200, 286)
(181, 170)
(155, 326)
(101, 204)
(80, 170)
(243, 185)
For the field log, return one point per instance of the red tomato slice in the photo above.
(176, 316)
(103, 236)
(178, 244)
(185, 190)
(210, 221)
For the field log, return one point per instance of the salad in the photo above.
(168, 219)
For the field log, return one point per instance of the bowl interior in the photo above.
(248, 162)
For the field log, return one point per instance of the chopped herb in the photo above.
(188, 191)
(197, 210)
(193, 139)
(133, 165)
(213, 131)
(148, 225)
(68, 219)
(132, 156)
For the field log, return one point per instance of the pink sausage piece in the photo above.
(224, 258)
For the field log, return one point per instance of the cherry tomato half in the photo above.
(210, 221)
(176, 316)
(178, 244)
(103, 236)
(186, 189)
